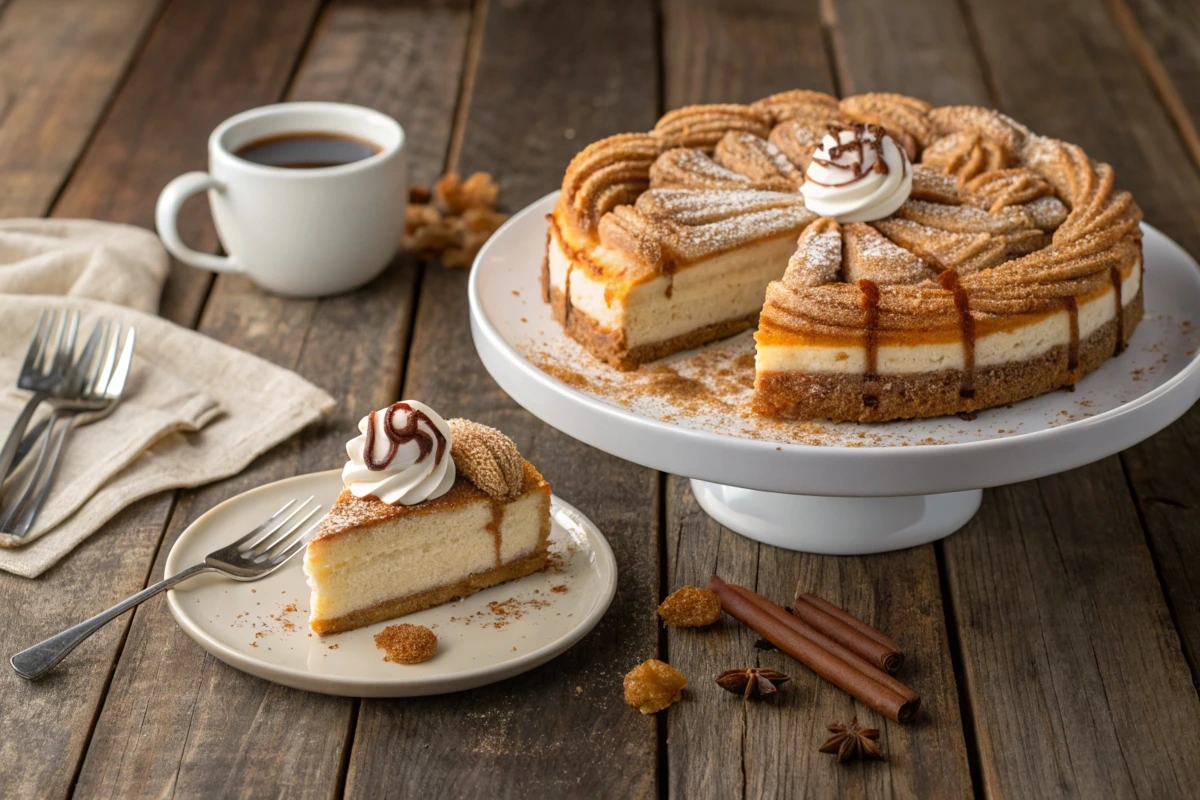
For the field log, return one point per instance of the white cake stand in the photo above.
(856, 488)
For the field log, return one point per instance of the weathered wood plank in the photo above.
(1163, 471)
(1071, 662)
(1165, 37)
(718, 746)
(59, 65)
(202, 63)
(1072, 666)
(551, 77)
(918, 47)
(176, 719)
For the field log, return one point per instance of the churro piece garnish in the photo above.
(407, 644)
(488, 458)
(653, 685)
(690, 607)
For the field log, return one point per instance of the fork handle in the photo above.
(9, 452)
(38, 489)
(34, 662)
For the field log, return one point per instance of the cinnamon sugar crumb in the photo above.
(406, 644)
(653, 685)
(560, 589)
(690, 607)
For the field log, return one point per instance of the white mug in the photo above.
(297, 232)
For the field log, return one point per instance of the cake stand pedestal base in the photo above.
(841, 526)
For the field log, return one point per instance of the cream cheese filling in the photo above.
(724, 287)
(1001, 347)
(360, 569)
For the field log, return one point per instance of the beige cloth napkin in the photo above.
(194, 411)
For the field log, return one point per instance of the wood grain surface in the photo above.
(1055, 640)
(561, 730)
(770, 749)
(60, 64)
(1070, 656)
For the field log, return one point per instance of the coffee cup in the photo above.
(308, 198)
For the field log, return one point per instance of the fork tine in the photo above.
(267, 522)
(97, 381)
(66, 351)
(39, 363)
(286, 540)
(254, 548)
(266, 543)
(88, 354)
(291, 550)
(115, 386)
(59, 341)
(36, 343)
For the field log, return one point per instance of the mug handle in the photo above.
(167, 212)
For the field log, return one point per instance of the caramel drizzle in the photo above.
(855, 145)
(1073, 345)
(567, 293)
(493, 528)
(870, 303)
(410, 432)
(949, 281)
(1115, 274)
(546, 262)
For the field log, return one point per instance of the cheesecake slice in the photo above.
(432, 511)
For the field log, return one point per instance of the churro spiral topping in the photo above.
(895, 193)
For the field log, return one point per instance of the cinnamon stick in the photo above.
(788, 633)
(848, 631)
(852, 659)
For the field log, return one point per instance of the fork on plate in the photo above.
(255, 555)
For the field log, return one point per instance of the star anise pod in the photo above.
(751, 681)
(852, 742)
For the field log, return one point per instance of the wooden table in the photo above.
(1055, 640)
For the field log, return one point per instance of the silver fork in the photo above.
(255, 555)
(44, 372)
(96, 385)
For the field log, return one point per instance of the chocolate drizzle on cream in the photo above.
(856, 145)
(396, 437)
(949, 281)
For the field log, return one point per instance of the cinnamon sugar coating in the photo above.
(407, 644)
(1024, 221)
(487, 457)
(653, 685)
(690, 607)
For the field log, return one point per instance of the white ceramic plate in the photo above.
(630, 415)
(261, 627)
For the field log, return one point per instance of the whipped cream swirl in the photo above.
(858, 174)
(402, 455)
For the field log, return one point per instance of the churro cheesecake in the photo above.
(432, 510)
(898, 259)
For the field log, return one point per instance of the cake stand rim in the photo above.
(888, 470)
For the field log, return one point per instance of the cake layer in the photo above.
(839, 396)
(1021, 339)
(370, 555)
(419, 601)
(708, 293)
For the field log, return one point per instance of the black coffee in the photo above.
(306, 150)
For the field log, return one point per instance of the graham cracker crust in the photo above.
(609, 346)
(402, 606)
(839, 397)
